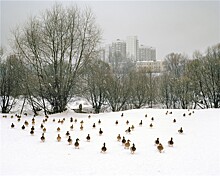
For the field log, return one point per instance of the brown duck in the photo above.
(58, 138)
(127, 144)
(118, 137)
(160, 147)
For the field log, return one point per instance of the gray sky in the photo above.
(170, 26)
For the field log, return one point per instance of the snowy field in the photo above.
(195, 152)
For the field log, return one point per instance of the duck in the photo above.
(75, 120)
(128, 130)
(118, 137)
(170, 112)
(93, 125)
(81, 122)
(12, 125)
(166, 112)
(59, 121)
(54, 120)
(71, 119)
(127, 144)
(33, 122)
(133, 149)
(99, 121)
(127, 122)
(174, 120)
(26, 123)
(69, 140)
(88, 138)
(44, 130)
(123, 140)
(151, 125)
(100, 132)
(76, 144)
(71, 127)
(32, 128)
(103, 149)
(160, 147)
(145, 115)
(152, 119)
(170, 143)
(41, 126)
(122, 115)
(42, 138)
(132, 127)
(58, 138)
(32, 132)
(89, 116)
(23, 127)
(19, 119)
(58, 129)
(67, 133)
(140, 124)
(81, 127)
(184, 114)
(116, 122)
(180, 130)
(157, 142)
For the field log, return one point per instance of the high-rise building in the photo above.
(132, 48)
(119, 48)
(147, 53)
(108, 51)
(118, 51)
(102, 54)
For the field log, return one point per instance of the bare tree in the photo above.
(205, 75)
(140, 88)
(56, 45)
(10, 82)
(96, 75)
(172, 87)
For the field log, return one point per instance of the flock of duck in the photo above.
(125, 143)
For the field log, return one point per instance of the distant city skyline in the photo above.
(169, 26)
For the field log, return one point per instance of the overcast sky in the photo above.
(169, 26)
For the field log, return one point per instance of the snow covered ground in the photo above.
(195, 152)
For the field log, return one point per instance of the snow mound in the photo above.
(195, 152)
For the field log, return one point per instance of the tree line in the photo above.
(56, 57)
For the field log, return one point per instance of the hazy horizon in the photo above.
(169, 26)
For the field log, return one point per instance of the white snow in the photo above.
(195, 152)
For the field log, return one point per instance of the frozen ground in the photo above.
(195, 152)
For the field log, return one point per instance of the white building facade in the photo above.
(132, 48)
(147, 53)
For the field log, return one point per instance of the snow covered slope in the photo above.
(195, 152)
